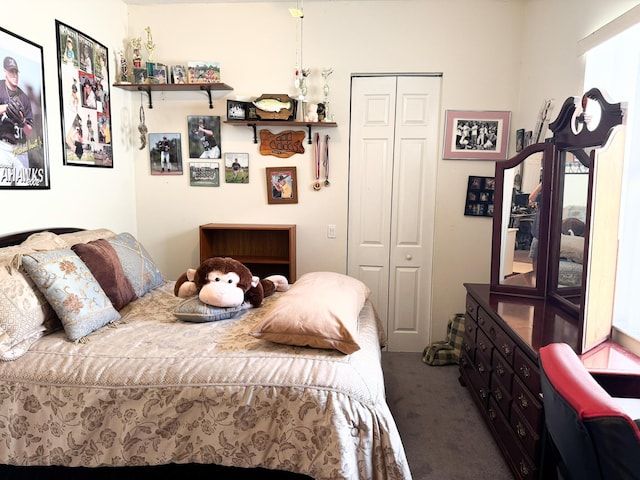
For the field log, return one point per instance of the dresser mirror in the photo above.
(515, 226)
(577, 214)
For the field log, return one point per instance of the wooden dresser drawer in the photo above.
(527, 370)
(527, 404)
(503, 342)
(502, 369)
(483, 367)
(500, 394)
(522, 465)
(472, 307)
(484, 345)
(527, 436)
(468, 344)
(478, 388)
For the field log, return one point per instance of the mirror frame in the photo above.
(572, 135)
(540, 289)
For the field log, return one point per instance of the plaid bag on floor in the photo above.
(447, 351)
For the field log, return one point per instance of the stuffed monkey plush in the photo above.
(226, 282)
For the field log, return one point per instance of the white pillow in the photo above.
(320, 310)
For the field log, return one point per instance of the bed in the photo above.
(151, 391)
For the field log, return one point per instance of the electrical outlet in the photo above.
(331, 231)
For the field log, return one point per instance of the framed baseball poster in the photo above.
(24, 155)
(83, 78)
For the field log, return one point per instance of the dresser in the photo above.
(499, 366)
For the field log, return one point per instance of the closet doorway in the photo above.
(393, 155)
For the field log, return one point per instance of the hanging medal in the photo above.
(316, 184)
(326, 160)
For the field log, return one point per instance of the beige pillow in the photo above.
(320, 310)
(572, 247)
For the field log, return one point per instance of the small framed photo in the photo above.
(476, 135)
(236, 167)
(204, 174)
(140, 75)
(519, 139)
(160, 73)
(479, 199)
(178, 74)
(236, 110)
(165, 153)
(203, 72)
(282, 185)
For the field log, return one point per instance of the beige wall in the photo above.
(493, 54)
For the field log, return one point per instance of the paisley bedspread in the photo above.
(154, 390)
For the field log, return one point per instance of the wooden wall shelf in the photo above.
(174, 87)
(280, 123)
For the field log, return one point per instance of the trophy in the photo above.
(325, 74)
(137, 57)
(149, 45)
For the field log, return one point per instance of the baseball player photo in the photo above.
(23, 161)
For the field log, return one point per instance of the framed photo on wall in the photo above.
(24, 153)
(479, 199)
(204, 174)
(282, 185)
(204, 136)
(85, 107)
(236, 167)
(476, 135)
(165, 153)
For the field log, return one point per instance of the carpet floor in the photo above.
(443, 434)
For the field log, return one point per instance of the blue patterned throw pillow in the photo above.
(71, 290)
(193, 309)
(138, 265)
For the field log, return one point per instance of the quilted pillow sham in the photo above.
(138, 265)
(71, 290)
(193, 309)
(103, 262)
(320, 310)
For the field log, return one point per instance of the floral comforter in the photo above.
(153, 389)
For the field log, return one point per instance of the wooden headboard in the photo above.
(17, 238)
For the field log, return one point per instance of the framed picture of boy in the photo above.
(282, 185)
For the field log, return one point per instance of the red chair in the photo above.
(593, 436)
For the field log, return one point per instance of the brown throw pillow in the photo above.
(103, 262)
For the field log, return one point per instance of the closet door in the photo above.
(392, 172)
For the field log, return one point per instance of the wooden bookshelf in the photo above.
(264, 249)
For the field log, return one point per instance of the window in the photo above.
(614, 67)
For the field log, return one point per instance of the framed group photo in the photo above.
(282, 185)
(24, 156)
(83, 79)
(204, 174)
(476, 135)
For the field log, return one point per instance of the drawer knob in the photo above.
(482, 346)
(521, 430)
(525, 371)
(524, 470)
(500, 369)
(483, 394)
(463, 361)
(480, 368)
(506, 349)
(498, 395)
(523, 401)
(492, 413)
